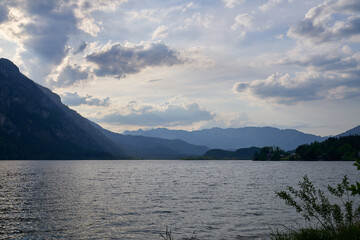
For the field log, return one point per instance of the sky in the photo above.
(131, 64)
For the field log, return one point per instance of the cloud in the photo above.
(118, 61)
(325, 50)
(42, 29)
(73, 99)
(232, 3)
(155, 80)
(48, 31)
(81, 48)
(160, 32)
(280, 36)
(322, 58)
(158, 115)
(197, 21)
(4, 13)
(243, 22)
(304, 86)
(70, 75)
(269, 4)
(330, 21)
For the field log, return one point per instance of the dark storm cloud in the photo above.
(73, 99)
(69, 76)
(118, 60)
(172, 115)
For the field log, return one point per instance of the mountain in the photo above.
(155, 148)
(240, 154)
(235, 138)
(34, 124)
(353, 131)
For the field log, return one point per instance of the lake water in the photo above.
(138, 199)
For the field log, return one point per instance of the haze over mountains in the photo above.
(234, 138)
(34, 124)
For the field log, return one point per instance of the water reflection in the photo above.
(137, 199)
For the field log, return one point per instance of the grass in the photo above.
(169, 236)
(351, 232)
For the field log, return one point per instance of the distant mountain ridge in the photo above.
(353, 131)
(235, 138)
(154, 148)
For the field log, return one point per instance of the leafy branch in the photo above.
(314, 205)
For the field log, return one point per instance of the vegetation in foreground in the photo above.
(345, 233)
(335, 221)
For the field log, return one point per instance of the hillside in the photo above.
(34, 124)
(353, 131)
(333, 149)
(239, 154)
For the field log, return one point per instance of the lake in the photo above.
(138, 199)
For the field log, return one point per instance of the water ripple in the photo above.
(138, 199)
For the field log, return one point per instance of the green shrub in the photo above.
(336, 221)
(314, 205)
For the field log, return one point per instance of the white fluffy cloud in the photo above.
(330, 21)
(303, 86)
(243, 21)
(269, 4)
(73, 99)
(167, 114)
(324, 51)
(232, 3)
(42, 29)
(325, 57)
(160, 33)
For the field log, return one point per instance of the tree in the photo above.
(314, 205)
(355, 188)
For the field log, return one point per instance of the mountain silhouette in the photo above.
(34, 124)
(235, 138)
